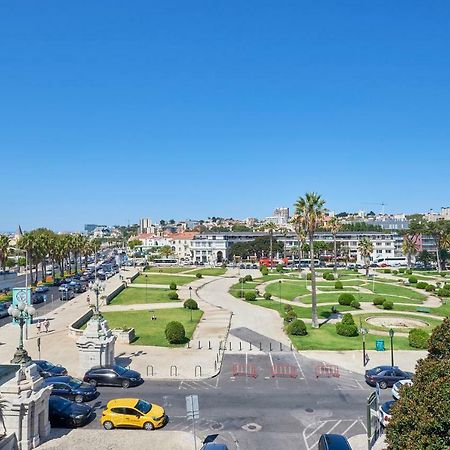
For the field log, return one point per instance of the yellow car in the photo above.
(133, 413)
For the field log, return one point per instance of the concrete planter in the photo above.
(124, 336)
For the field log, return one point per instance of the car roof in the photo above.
(337, 441)
(59, 379)
(122, 402)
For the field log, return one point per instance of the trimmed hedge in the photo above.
(297, 328)
(355, 304)
(308, 276)
(175, 333)
(248, 278)
(421, 285)
(250, 296)
(267, 296)
(264, 270)
(190, 304)
(338, 285)
(430, 288)
(347, 326)
(287, 307)
(378, 301)
(290, 316)
(173, 287)
(198, 275)
(418, 338)
(388, 304)
(346, 299)
(172, 295)
(443, 292)
(412, 279)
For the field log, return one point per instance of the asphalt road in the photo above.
(259, 413)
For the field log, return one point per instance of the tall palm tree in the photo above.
(311, 212)
(270, 227)
(334, 225)
(365, 247)
(440, 231)
(409, 247)
(29, 244)
(4, 250)
(299, 229)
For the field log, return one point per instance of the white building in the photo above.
(145, 225)
(181, 244)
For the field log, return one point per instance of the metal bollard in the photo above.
(250, 346)
(281, 347)
(270, 346)
(209, 345)
(199, 345)
(291, 346)
(230, 346)
(215, 366)
(240, 345)
(260, 346)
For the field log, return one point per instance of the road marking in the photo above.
(328, 432)
(315, 430)
(348, 428)
(299, 367)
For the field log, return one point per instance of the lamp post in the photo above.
(279, 285)
(22, 313)
(364, 331)
(146, 291)
(190, 298)
(97, 287)
(391, 335)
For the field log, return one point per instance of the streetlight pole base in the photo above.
(21, 357)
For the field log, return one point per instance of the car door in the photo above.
(108, 377)
(133, 418)
(389, 377)
(61, 389)
(119, 419)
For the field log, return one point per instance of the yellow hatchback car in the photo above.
(133, 413)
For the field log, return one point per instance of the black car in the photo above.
(113, 375)
(386, 376)
(68, 414)
(38, 298)
(57, 282)
(333, 442)
(71, 388)
(47, 369)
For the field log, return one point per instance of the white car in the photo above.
(384, 413)
(398, 385)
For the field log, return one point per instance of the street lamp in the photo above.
(190, 298)
(22, 313)
(97, 286)
(146, 289)
(279, 284)
(391, 335)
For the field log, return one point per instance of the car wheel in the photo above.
(149, 426)
(108, 425)
(125, 384)
(78, 398)
(93, 383)
(383, 385)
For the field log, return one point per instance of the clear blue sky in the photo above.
(111, 111)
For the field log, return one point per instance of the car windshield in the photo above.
(45, 365)
(59, 403)
(119, 369)
(75, 383)
(143, 406)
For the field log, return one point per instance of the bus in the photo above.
(164, 262)
(393, 261)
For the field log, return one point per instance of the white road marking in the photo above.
(348, 428)
(315, 430)
(299, 367)
(328, 432)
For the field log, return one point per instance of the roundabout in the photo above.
(399, 322)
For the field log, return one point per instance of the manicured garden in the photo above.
(151, 278)
(209, 271)
(152, 332)
(166, 269)
(134, 295)
(289, 289)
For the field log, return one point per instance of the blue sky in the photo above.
(111, 111)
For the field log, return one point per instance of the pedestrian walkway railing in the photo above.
(223, 345)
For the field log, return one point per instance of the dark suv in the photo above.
(113, 375)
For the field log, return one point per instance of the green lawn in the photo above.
(382, 288)
(289, 289)
(333, 289)
(151, 332)
(163, 279)
(236, 289)
(166, 269)
(133, 295)
(361, 297)
(211, 271)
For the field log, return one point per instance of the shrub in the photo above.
(347, 319)
(388, 304)
(402, 270)
(408, 272)
(198, 275)
(241, 280)
(175, 333)
(325, 274)
(264, 270)
(418, 338)
(173, 287)
(297, 328)
(172, 295)
(338, 285)
(287, 307)
(443, 292)
(308, 276)
(355, 304)
(279, 268)
(267, 296)
(250, 296)
(355, 270)
(330, 277)
(430, 288)
(395, 272)
(378, 301)
(386, 270)
(412, 279)
(346, 330)
(290, 316)
(346, 299)
(421, 285)
(190, 304)
(248, 278)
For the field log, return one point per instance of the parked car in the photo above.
(56, 282)
(4, 310)
(41, 289)
(384, 412)
(67, 295)
(65, 413)
(71, 388)
(113, 375)
(63, 287)
(214, 446)
(386, 376)
(333, 442)
(47, 369)
(133, 412)
(38, 298)
(398, 385)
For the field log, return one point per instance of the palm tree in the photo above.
(334, 225)
(311, 212)
(365, 247)
(409, 247)
(166, 251)
(270, 227)
(28, 243)
(440, 231)
(4, 250)
(299, 229)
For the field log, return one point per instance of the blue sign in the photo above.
(21, 295)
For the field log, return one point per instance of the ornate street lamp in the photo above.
(21, 313)
(97, 286)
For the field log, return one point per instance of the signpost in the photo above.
(373, 424)
(192, 413)
(21, 295)
(38, 342)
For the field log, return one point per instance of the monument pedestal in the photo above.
(96, 345)
(24, 404)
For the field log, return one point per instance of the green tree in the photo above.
(425, 257)
(133, 243)
(334, 225)
(311, 212)
(365, 247)
(409, 247)
(4, 250)
(166, 251)
(270, 227)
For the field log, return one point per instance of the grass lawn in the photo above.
(211, 271)
(361, 297)
(163, 279)
(166, 269)
(236, 289)
(333, 289)
(289, 290)
(382, 288)
(151, 332)
(134, 295)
